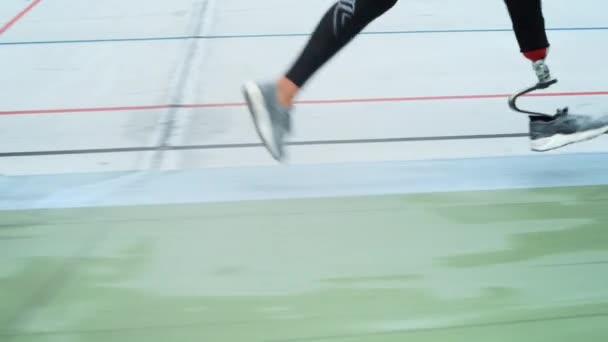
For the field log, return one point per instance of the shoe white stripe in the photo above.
(560, 140)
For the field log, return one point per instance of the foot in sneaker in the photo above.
(272, 120)
(565, 129)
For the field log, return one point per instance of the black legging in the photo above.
(346, 18)
(528, 24)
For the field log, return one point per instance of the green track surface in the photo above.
(517, 265)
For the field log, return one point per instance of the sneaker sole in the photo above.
(261, 117)
(561, 140)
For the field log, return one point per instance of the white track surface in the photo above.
(38, 75)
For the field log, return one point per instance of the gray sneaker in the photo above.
(565, 129)
(272, 121)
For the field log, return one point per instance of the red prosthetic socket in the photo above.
(536, 55)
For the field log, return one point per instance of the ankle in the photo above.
(286, 91)
(542, 71)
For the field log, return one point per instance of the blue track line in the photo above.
(276, 35)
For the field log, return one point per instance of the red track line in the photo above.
(331, 101)
(449, 97)
(83, 110)
(13, 21)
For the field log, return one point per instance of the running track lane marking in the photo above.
(259, 145)
(304, 102)
(278, 35)
(18, 17)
